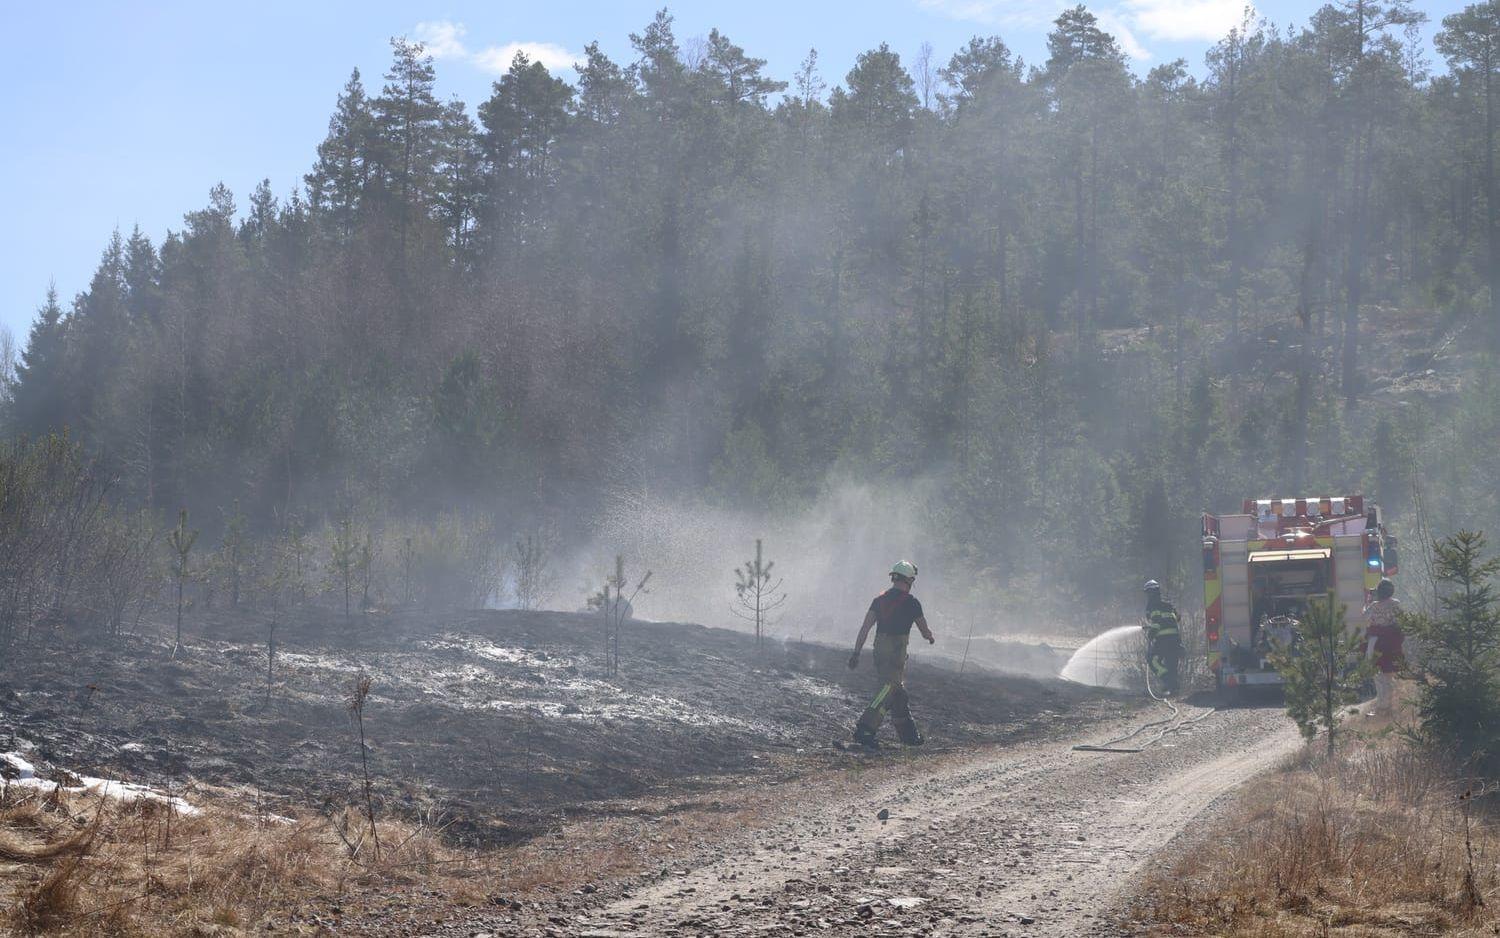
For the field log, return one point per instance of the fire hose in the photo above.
(1112, 745)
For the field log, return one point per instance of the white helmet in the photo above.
(905, 569)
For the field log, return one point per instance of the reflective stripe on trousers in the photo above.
(890, 669)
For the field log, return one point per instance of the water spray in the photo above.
(1090, 654)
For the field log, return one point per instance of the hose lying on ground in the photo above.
(1109, 745)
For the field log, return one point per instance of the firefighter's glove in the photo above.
(854, 661)
(930, 639)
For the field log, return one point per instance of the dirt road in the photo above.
(1035, 839)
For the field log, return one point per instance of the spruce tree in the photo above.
(41, 377)
(336, 185)
(1458, 675)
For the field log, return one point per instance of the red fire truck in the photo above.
(1263, 566)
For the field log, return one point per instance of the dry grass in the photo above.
(73, 865)
(76, 865)
(1373, 844)
(92, 868)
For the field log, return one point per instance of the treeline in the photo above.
(1087, 304)
(74, 563)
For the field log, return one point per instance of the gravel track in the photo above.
(1033, 839)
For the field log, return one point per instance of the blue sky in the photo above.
(127, 114)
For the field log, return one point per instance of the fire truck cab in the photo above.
(1262, 567)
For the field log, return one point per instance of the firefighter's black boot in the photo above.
(907, 731)
(865, 739)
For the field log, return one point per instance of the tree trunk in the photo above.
(1492, 201)
(1353, 275)
(1232, 234)
(1081, 246)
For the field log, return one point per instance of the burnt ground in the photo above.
(499, 724)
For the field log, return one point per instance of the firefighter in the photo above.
(891, 614)
(1385, 644)
(1163, 640)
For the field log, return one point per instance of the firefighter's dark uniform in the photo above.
(895, 612)
(1163, 645)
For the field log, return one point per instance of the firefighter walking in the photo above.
(891, 614)
(1163, 640)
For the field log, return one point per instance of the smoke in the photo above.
(832, 557)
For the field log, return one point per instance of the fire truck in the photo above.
(1262, 567)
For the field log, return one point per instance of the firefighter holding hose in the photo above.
(1163, 640)
(891, 614)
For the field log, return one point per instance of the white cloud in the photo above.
(1167, 20)
(498, 58)
(997, 12)
(444, 39)
(1041, 14)
(1116, 27)
(1186, 20)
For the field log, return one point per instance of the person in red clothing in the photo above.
(1384, 644)
(891, 614)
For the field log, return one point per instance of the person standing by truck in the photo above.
(891, 614)
(1163, 640)
(1385, 644)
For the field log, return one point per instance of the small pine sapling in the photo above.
(615, 607)
(181, 540)
(275, 583)
(291, 553)
(343, 560)
(408, 565)
(365, 570)
(1324, 669)
(755, 595)
(232, 553)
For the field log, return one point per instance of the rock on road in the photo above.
(1028, 840)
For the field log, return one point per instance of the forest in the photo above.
(1052, 309)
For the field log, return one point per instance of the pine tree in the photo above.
(1324, 669)
(879, 100)
(457, 191)
(976, 70)
(739, 75)
(659, 68)
(1087, 85)
(522, 122)
(261, 221)
(603, 87)
(407, 118)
